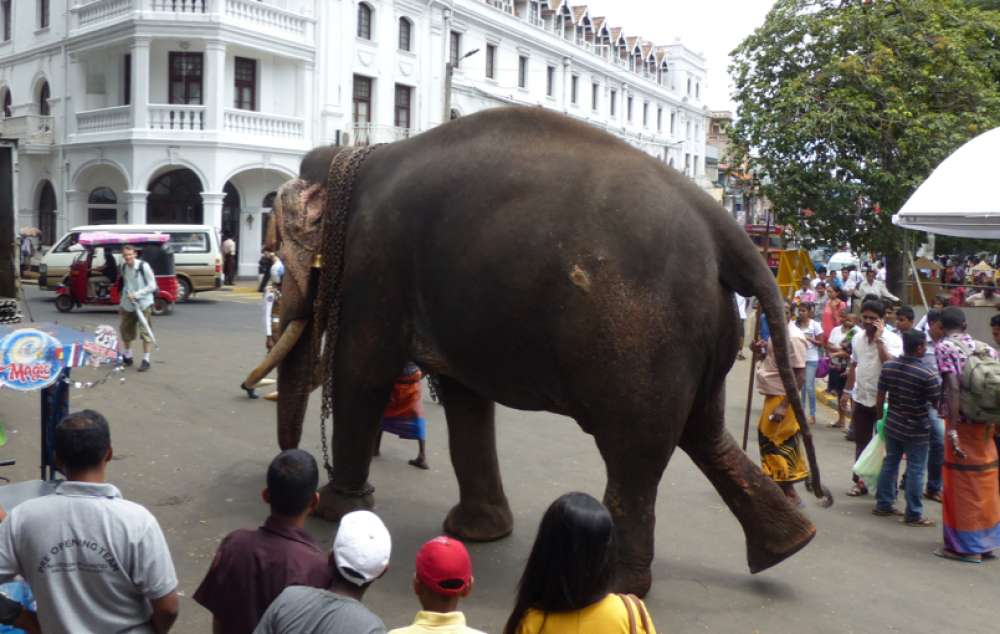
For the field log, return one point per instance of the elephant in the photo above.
(528, 259)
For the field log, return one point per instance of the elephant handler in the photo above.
(404, 415)
(781, 455)
(138, 290)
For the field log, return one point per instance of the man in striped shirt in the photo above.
(912, 387)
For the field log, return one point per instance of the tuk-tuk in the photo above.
(94, 276)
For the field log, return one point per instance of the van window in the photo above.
(189, 241)
(66, 243)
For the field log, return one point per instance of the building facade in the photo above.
(178, 111)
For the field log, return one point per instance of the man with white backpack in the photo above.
(970, 405)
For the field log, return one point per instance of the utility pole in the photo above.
(449, 71)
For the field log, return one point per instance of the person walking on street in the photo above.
(935, 458)
(838, 346)
(912, 387)
(781, 456)
(971, 502)
(870, 351)
(813, 333)
(138, 291)
(404, 415)
(228, 260)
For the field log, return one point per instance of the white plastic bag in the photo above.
(869, 463)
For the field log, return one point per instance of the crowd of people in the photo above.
(96, 562)
(927, 389)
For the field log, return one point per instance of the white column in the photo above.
(308, 112)
(76, 91)
(215, 84)
(136, 213)
(212, 207)
(140, 84)
(76, 209)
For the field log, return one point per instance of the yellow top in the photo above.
(607, 616)
(437, 623)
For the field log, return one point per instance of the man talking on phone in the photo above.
(869, 352)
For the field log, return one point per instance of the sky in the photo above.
(711, 27)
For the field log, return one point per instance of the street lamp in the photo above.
(449, 70)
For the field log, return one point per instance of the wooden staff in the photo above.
(756, 333)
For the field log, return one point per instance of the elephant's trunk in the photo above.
(289, 337)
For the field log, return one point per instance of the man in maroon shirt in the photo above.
(252, 567)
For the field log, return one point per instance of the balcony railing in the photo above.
(247, 122)
(31, 129)
(176, 117)
(104, 119)
(248, 14)
(369, 133)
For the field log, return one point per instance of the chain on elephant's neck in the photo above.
(340, 192)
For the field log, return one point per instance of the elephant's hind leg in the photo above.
(774, 529)
(482, 513)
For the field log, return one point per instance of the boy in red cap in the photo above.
(443, 577)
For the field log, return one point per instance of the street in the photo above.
(193, 449)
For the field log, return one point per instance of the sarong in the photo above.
(971, 500)
(404, 414)
(781, 455)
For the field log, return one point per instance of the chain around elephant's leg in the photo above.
(483, 513)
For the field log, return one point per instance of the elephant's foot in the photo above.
(778, 538)
(480, 522)
(334, 504)
(632, 579)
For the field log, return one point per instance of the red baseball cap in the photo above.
(443, 565)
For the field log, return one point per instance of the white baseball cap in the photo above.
(362, 547)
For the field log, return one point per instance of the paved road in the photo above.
(194, 450)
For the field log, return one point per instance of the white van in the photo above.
(197, 255)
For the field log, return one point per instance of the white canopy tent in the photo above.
(954, 200)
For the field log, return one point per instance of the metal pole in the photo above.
(756, 333)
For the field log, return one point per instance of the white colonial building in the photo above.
(195, 111)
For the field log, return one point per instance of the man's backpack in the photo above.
(979, 383)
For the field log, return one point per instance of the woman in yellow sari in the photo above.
(781, 454)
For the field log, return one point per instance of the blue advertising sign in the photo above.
(30, 360)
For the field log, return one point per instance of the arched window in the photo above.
(175, 198)
(43, 100)
(364, 21)
(7, 111)
(405, 35)
(102, 207)
(47, 213)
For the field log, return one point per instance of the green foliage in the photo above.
(846, 106)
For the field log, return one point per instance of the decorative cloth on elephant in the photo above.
(781, 454)
(404, 415)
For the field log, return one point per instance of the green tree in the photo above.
(846, 106)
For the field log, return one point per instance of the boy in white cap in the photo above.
(360, 555)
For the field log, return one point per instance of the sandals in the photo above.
(921, 522)
(934, 496)
(944, 553)
(857, 491)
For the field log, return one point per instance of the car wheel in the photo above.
(161, 307)
(184, 290)
(64, 303)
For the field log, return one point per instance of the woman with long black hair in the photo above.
(565, 585)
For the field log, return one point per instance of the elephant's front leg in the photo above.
(482, 513)
(358, 415)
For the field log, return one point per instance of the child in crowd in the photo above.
(443, 577)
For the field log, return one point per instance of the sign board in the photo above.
(30, 360)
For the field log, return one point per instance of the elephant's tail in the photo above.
(744, 270)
